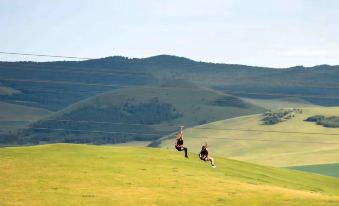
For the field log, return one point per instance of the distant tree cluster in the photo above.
(274, 117)
(332, 121)
(229, 101)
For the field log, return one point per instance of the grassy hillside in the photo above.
(325, 169)
(100, 175)
(157, 111)
(269, 148)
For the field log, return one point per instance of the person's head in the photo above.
(180, 135)
(205, 145)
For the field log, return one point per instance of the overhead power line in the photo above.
(45, 55)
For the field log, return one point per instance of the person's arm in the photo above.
(178, 137)
(181, 135)
(176, 140)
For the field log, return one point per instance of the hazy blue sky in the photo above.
(277, 33)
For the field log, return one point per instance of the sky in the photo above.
(273, 33)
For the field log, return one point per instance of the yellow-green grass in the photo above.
(269, 148)
(64, 174)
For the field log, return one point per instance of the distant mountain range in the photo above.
(159, 91)
(55, 85)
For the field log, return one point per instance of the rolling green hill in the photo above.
(152, 111)
(64, 174)
(269, 148)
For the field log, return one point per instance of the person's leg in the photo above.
(211, 160)
(185, 149)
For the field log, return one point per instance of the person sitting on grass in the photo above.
(203, 155)
(179, 143)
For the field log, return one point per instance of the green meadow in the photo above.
(66, 174)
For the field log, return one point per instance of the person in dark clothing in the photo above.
(179, 143)
(203, 155)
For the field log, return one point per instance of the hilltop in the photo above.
(100, 175)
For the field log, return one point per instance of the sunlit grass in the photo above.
(64, 174)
